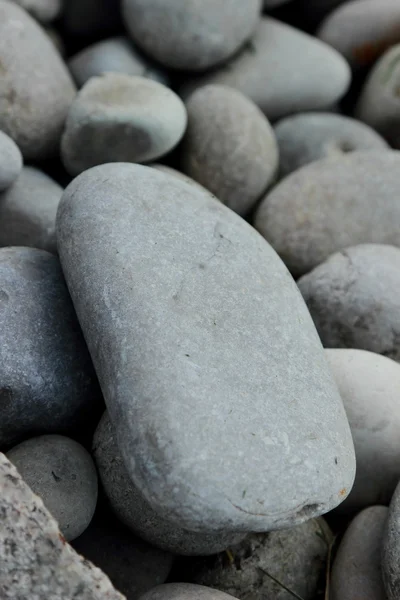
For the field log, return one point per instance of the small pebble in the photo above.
(391, 548)
(184, 591)
(10, 161)
(44, 11)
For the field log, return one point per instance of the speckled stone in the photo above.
(229, 146)
(354, 301)
(35, 560)
(10, 161)
(307, 137)
(37, 89)
(193, 35)
(91, 17)
(119, 117)
(302, 73)
(332, 204)
(46, 380)
(391, 548)
(184, 591)
(42, 10)
(356, 571)
(182, 309)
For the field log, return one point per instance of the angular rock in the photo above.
(42, 10)
(391, 548)
(194, 324)
(10, 161)
(184, 591)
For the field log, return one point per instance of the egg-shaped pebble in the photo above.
(43, 10)
(229, 146)
(10, 161)
(354, 299)
(192, 35)
(283, 70)
(62, 473)
(114, 55)
(391, 548)
(331, 204)
(121, 118)
(307, 137)
(91, 17)
(362, 30)
(36, 87)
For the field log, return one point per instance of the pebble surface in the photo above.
(184, 591)
(10, 161)
(42, 10)
(391, 548)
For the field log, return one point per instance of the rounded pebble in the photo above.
(121, 118)
(184, 591)
(391, 549)
(10, 161)
(42, 10)
(62, 473)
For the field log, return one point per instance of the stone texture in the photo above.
(356, 571)
(182, 310)
(332, 204)
(353, 299)
(37, 89)
(307, 137)
(119, 117)
(42, 10)
(193, 35)
(184, 591)
(391, 548)
(10, 161)
(46, 380)
(302, 73)
(35, 560)
(229, 146)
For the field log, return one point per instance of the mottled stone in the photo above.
(184, 591)
(10, 161)
(42, 10)
(391, 548)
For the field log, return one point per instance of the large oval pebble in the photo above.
(391, 548)
(10, 161)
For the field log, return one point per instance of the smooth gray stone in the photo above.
(36, 87)
(115, 55)
(136, 513)
(201, 342)
(391, 548)
(307, 137)
(10, 161)
(47, 384)
(42, 10)
(283, 70)
(91, 17)
(356, 571)
(61, 472)
(35, 560)
(184, 591)
(28, 211)
(354, 300)
(331, 204)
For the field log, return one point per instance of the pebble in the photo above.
(44, 11)
(332, 204)
(354, 299)
(391, 548)
(28, 211)
(36, 88)
(35, 560)
(369, 385)
(187, 343)
(47, 384)
(62, 473)
(114, 55)
(193, 35)
(356, 571)
(91, 17)
(182, 176)
(184, 591)
(362, 30)
(302, 72)
(10, 161)
(124, 118)
(308, 137)
(229, 146)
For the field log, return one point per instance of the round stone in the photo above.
(391, 549)
(10, 161)
(184, 591)
(43, 10)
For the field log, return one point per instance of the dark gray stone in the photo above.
(391, 548)
(10, 161)
(184, 591)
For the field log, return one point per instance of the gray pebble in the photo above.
(182, 309)
(391, 548)
(115, 55)
(307, 137)
(332, 204)
(354, 299)
(193, 35)
(28, 211)
(182, 176)
(37, 89)
(120, 117)
(10, 161)
(46, 380)
(229, 146)
(61, 472)
(356, 571)
(42, 10)
(91, 17)
(184, 591)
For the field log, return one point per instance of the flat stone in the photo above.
(184, 591)
(332, 204)
(42, 10)
(391, 548)
(10, 161)
(183, 310)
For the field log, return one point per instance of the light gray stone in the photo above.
(307, 137)
(119, 117)
(354, 300)
(35, 560)
(47, 384)
(229, 146)
(28, 211)
(61, 472)
(332, 204)
(114, 55)
(91, 17)
(283, 70)
(391, 548)
(42, 10)
(193, 35)
(36, 88)
(10, 161)
(356, 571)
(184, 591)
(198, 332)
